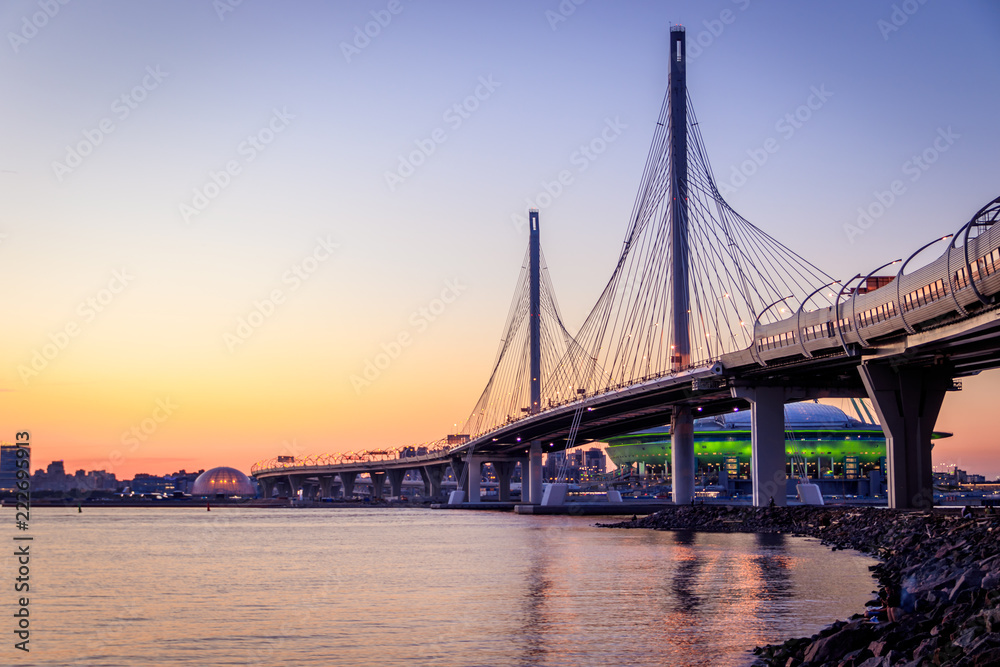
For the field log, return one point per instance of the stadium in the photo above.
(821, 438)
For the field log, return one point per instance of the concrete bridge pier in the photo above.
(457, 469)
(432, 476)
(266, 487)
(326, 486)
(907, 401)
(503, 470)
(681, 455)
(534, 481)
(378, 483)
(347, 483)
(767, 438)
(295, 485)
(474, 465)
(396, 476)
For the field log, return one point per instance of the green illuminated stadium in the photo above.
(830, 442)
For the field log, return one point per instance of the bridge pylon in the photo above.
(907, 400)
(682, 417)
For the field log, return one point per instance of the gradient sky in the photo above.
(126, 290)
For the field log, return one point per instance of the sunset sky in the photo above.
(212, 221)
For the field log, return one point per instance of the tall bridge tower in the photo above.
(682, 418)
(534, 486)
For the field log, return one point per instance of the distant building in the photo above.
(143, 483)
(53, 478)
(223, 481)
(184, 480)
(957, 476)
(576, 465)
(8, 467)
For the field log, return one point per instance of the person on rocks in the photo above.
(891, 609)
(892, 603)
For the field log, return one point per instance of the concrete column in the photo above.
(347, 483)
(295, 484)
(325, 483)
(682, 455)
(503, 470)
(396, 476)
(534, 474)
(378, 483)
(266, 487)
(432, 476)
(457, 469)
(907, 401)
(474, 465)
(767, 435)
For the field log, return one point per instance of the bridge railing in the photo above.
(291, 463)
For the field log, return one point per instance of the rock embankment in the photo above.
(947, 567)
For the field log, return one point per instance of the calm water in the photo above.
(411, 587)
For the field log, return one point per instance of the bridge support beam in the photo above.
(347, 484)
(907, 401)
(432, 476)
(295, 484)
(503, 470)
(378, 483)
(266, 487)
(682, 455)
(457, 470)
(534, 481)
(474, 466)
(767, 436)
(396, 476)
(326, 486)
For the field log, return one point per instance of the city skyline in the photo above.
(284, 235)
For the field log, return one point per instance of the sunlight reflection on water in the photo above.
(417, 587)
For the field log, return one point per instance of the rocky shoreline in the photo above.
(947, 567)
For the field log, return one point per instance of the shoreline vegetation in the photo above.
(945, 566)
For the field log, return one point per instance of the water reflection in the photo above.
(537, 587)
(325, 588)
(684, 581)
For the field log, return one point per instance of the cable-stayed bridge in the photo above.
(706, 313)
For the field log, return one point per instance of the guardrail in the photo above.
(346, 458)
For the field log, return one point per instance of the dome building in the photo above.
(223, 481)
